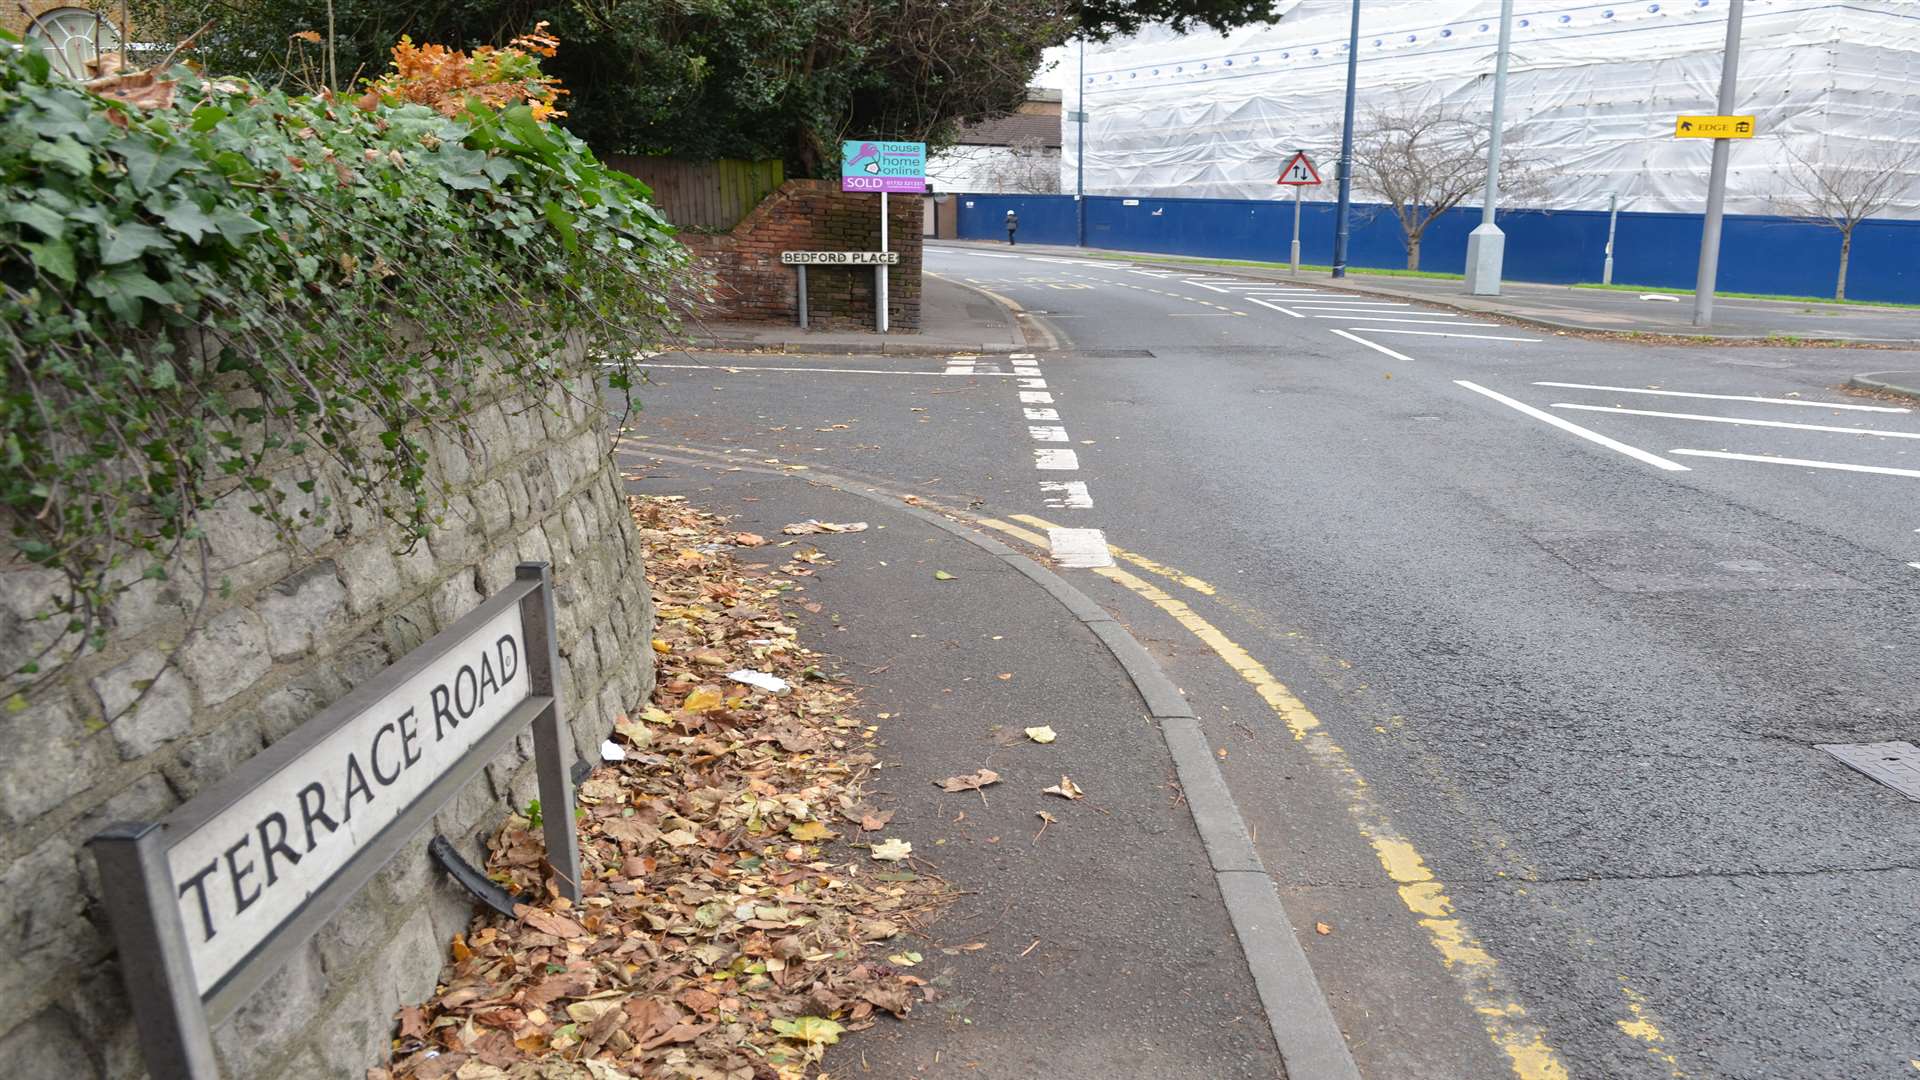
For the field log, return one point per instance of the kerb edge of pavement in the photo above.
(1902, 383)
(1299, 1017)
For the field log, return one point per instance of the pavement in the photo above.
(1516, 652)
(954, 317)
(1569, 308)
(1899, 383)
(1094, 946)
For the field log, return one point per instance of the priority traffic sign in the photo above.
(1299, 171)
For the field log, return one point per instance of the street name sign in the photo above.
(840, 258)
(210, 901)
(1299, 172)
(872, 165)
(1713, 127)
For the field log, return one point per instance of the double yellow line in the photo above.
(1505, 1019)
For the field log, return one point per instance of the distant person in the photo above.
(1013, 225)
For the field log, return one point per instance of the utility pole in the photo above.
(1344, 212)
(1080, 152)
(1717, 179)
(1486, 244)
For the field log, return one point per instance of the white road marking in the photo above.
(1383, 318)
(1376, 346)
(1063, 460)
(1035, 397)
(738, 368)
(1199, 314)
(1741, 420)
(1805, 463)
(1033, 384)
(1042, 414)
(1333, 302)
(1068, 494)
(1442, 333)
(1047, 433)
(1915, 565)
(1275, 307)
(1204, 285)
(1728, 397)
(1569, 426)
(1081, 548)
(1020, 356)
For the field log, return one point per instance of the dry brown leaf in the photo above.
(548, 922)
(1066, 789)
(1322, 928)
(872, 822)
(971, 782)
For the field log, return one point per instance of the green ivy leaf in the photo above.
(40, 218)
(128, 241)
(66, 152)
(188, 219)
(54, 257)
(235, 226)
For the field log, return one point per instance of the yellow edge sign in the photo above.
(1713, 127)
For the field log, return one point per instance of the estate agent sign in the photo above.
(209, 902)
(874, 165)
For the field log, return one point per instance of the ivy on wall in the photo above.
(200, 278)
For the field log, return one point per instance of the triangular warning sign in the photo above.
(1299, 171)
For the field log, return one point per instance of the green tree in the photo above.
(712, 78)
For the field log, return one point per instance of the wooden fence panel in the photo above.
(705, 195)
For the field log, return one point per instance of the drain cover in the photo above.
(1895, 764)
(1655, 562)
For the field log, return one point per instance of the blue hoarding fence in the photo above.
(1759, 254)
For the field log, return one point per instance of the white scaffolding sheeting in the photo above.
(1593, 90)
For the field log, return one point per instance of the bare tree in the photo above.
(1029, 167)
(1424, 160)
(1842, 192)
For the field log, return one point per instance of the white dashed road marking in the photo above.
(1082, 548)
(1047, 433)
(1066, 494)
(1035, 397)
(1062, 460)
(1041, 414)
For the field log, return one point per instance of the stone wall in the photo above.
(748, 281)
(297, 626)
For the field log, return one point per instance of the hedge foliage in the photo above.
(200, 278)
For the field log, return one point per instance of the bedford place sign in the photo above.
(209, 902)
(840, 258)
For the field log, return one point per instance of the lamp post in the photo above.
(1486, 244)
(1080, 152)
(1344, 213)
(1613, 216)
(1717, 179)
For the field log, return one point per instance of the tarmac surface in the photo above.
(1517, 648)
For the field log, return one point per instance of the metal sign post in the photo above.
(883, 167)
(210, 902)
(880, 273)
(1299, 173)
(1705, 280)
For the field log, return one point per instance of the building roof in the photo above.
(1007, 130)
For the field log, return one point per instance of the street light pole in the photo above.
(1486, 244)
(1080, 152)
(1613, 216)
(1717, 178)
(1343, 214)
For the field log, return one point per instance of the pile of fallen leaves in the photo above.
(719, 937)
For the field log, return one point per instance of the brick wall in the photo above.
(302, 622)
(749, 283)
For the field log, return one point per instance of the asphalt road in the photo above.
(1550, 803)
